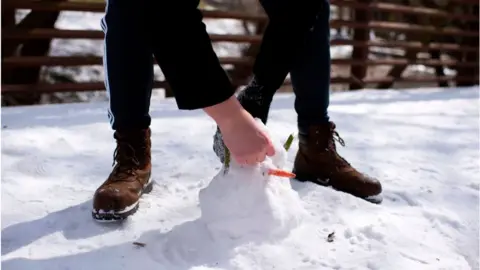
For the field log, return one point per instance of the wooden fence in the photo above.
(430, 35)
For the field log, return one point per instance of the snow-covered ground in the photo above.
(423, 144)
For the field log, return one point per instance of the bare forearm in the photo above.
(226, 112)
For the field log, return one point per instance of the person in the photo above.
(173, 32)
(307, 58)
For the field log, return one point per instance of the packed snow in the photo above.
(422, 144)
(275, 208)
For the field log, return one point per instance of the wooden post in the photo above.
(470, 56)
(396, 72)
(435, 54)
(36, 47)
(241, 73)
(360, 53)
(8, 20)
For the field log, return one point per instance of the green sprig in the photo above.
(226, 158)
(288, 143)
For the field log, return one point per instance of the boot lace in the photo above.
(336, 137)
(339, 162)
(124, 160)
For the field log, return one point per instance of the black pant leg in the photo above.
(128, 64)
(290, 22)
(311, 74)
(283, 44)
(185, 54)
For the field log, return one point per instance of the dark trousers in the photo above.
(173, 33)
(297, 40)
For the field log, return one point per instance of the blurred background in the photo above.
(52, 49)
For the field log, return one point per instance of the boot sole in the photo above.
(115, 216)
(376, 199)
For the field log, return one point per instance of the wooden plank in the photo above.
(404, 27)
(100, 7)
(100, 86)
(95, 34)
(374, 25)
(42, 33)
(413, 45)
(419, 79)
(333, 80)
(52, 6)
(30, 61)
(99, 35)
(396, 62)
(97, 86)
(396, 8)
(63, 87)
(223, 14)
(252, 39)
(465, 2)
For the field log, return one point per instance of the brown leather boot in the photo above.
(118, 197)
(317, 161)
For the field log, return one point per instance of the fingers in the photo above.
(260, 158)
(270, 149)
(251, 159)
(256, 155)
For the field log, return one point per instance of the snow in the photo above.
(274, 210)
(423, 144)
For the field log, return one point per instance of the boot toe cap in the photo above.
(372, 186)
(367, 186)
(112, 199)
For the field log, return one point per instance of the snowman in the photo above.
(252, 202)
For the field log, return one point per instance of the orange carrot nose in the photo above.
(281, 173)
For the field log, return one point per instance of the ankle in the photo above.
(306, 127)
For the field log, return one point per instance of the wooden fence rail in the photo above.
(100, 7)
(20, 34)
(436, 37)
(32, 61)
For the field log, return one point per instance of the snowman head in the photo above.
(271, 166)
